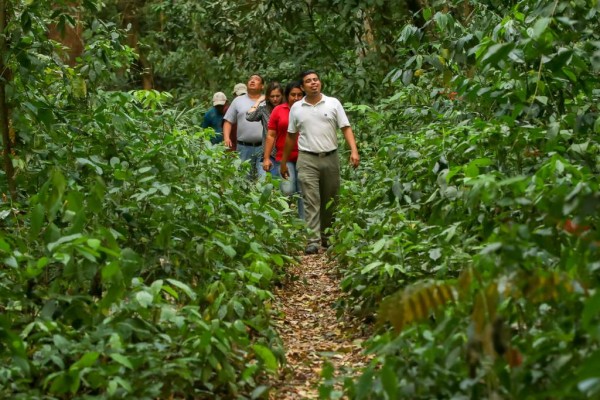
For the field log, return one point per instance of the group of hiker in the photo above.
(290, 133)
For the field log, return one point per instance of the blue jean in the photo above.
(290, 186)
(254, 155)
(274, 169)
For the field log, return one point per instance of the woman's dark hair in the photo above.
(290, 86)
(273, 85)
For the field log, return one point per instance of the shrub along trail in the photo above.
(311, 332)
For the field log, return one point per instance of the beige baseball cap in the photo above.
(240, 89)
(219, 99)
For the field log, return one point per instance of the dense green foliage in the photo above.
(137, 262)
(509, 103)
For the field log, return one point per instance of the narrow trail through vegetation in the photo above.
(311, 332)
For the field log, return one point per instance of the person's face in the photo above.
(255, 83)
(311, 84)
(275, 97)
(295, 95)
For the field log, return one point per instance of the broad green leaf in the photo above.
(266, 356)
(496, 53)
(62, 240)
(540, 27)
(259, 392)
(379, 245)
(229, 251)
(93, 243)
(591, 311)
(389, 381)
(371, 266)
(121, 359)
(435, 254)
(185, 288)
(36, 221)
(11, 261)
(86, 361)
(144, 298)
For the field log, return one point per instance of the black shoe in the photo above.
(311, 249)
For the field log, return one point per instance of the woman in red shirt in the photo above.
(276, 135)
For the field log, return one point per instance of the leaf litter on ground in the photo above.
(311, 332)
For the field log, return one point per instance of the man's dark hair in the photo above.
(262, 80)
(292, 85)
(303, 75)
(308, 72)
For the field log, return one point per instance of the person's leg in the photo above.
(245, 152)
(288, 186)
(330, 187)
(259, 169)
(308, 175)
(295, 188)
(275, 169)
(256, 162)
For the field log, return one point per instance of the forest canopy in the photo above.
(137, 261)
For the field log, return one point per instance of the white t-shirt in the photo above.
(317, 124)
(247, 131)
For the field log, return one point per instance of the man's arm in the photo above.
(206, 120)
(269, 142)
(349, 135)
(290, 141)
(227, 134)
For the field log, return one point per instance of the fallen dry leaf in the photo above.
(311, 331)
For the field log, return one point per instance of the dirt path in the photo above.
(310, 330)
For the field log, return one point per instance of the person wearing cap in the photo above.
(249, 133)
(316, 118)
(214, 117)
(240, 89)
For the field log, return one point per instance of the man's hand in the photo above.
(283, 171)
(227, 134)
(349, 135)
(267, 164)
(354, 159)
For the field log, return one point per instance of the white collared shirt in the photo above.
(317, 124)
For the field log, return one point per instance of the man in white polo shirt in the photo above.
(317, 118)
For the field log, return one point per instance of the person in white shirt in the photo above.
(316, 118)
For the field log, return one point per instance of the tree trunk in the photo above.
(4, 114)
(415, 7)
(70, 36)
(131, 16)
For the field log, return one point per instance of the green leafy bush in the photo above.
(137, 261)
(480, 175)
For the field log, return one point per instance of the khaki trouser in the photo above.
(319, 179)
